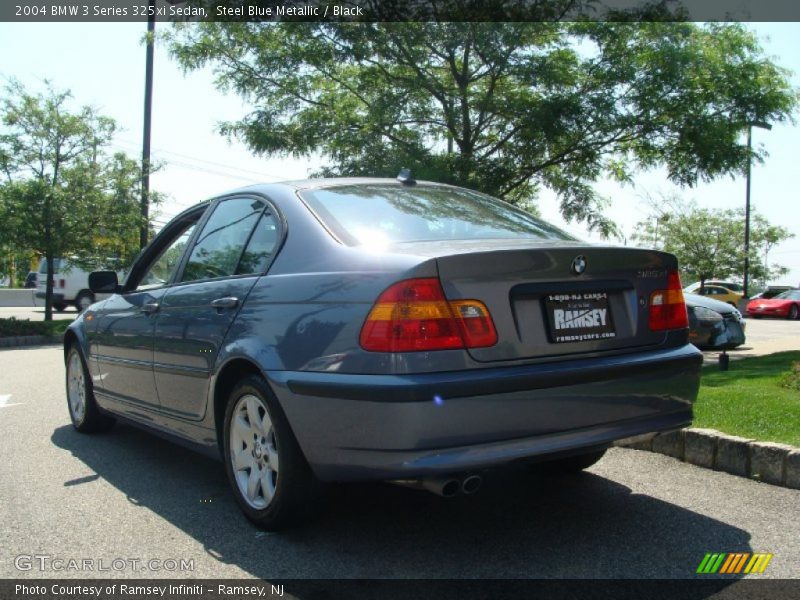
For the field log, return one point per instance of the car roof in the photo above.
(326, 182)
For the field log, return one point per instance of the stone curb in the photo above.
(28, 340)
(778, 464)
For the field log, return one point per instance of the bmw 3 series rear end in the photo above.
(493, 337)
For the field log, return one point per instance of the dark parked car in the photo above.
(31, 280)
(714, 324)
(373, 329)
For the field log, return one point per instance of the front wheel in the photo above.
(793, 312)
(269, 475)
(60, 306)
(83, 410)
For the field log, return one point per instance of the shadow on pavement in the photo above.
(517, 526)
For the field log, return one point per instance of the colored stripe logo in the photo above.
(731, 563)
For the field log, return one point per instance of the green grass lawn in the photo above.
(748, 401)
(17, 327)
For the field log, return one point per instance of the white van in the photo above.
(70, 285)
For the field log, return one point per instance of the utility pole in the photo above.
(750, 126)
(148, 110)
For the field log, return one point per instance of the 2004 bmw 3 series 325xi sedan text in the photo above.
(372, 329)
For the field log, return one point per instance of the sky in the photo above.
(103, 66)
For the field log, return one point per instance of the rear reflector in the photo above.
(414, 315)
(667, 307)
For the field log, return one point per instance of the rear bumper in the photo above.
(382, 427)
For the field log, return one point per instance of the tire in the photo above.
(60, 307)
(81, 404)
(572, 464)
(284, 490)
(84, 300)
(793, 312)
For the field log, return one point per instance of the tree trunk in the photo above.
(48, 297)
(13, 272)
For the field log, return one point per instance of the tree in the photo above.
(503, 107)
(63, 194)
(709, 243)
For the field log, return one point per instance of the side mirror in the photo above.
(103, 282)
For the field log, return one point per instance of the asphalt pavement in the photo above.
(125, 498)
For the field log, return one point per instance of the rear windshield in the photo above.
(369, 214)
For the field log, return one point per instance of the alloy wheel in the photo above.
(253, 451)
(76, 387)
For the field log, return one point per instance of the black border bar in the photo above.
(108, 11)
(718, 587)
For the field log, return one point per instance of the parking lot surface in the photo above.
(131, 497)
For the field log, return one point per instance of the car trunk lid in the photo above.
(554, 298)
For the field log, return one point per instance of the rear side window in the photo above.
(261, 247)
(222, 241)
(386, 213)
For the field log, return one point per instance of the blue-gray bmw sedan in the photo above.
(372, 329)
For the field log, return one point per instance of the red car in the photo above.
(785, 305)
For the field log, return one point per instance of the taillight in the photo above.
(61, 283)
(667, 307)
(413, 315)
(475, 323)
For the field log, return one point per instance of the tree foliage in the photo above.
(504, 108)
(64, 194)
(709, 243)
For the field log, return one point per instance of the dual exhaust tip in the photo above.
(447, 487)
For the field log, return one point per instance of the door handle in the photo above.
(150, 307)
(227, 302)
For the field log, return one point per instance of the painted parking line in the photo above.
(4, 401)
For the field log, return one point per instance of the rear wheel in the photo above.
(793, 312)
(572, 464)
(83, 410)
(60, 306)
(84, 300)
(269, 475)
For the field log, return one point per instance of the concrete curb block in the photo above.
(18, 298)
(29, 340)
(778, 464)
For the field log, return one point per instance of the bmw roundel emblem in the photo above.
(578, 264)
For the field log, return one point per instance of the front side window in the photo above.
(163, 268)
(222, 241)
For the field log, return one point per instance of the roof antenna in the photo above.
(405, 177)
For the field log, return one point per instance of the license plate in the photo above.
(579, 317)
